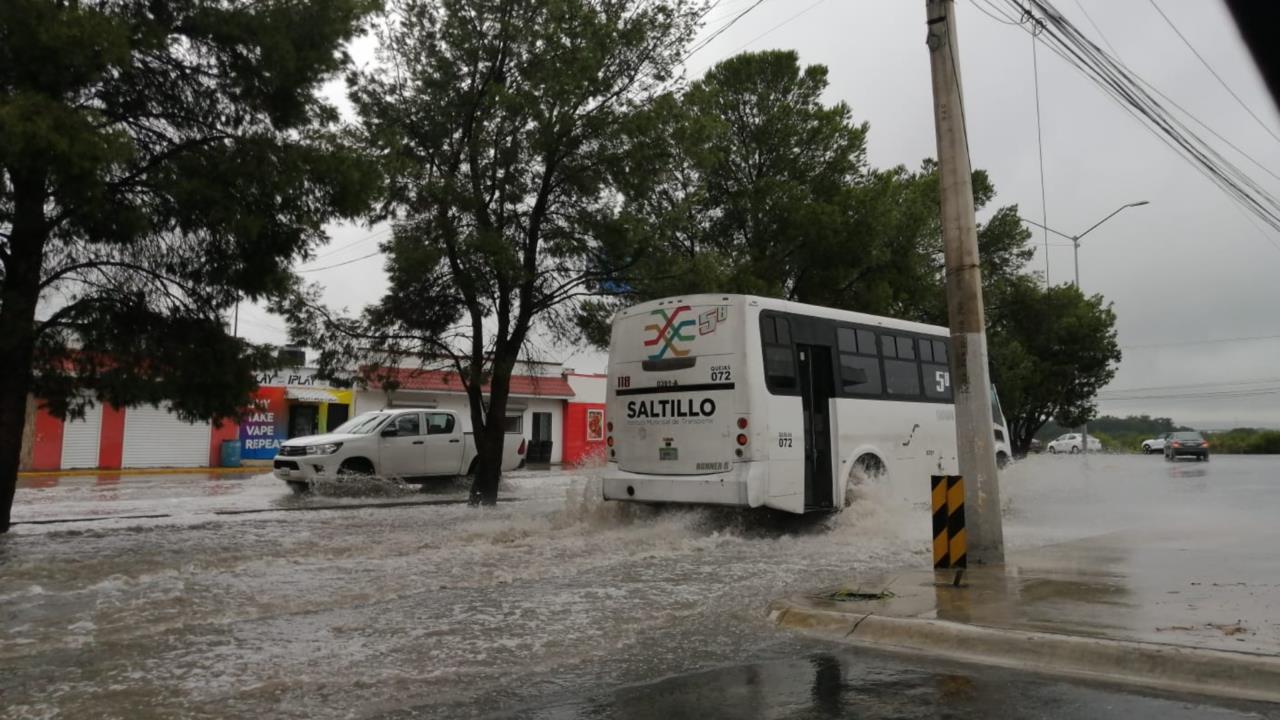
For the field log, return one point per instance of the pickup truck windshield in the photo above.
(361, 424)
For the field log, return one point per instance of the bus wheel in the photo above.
(866, 469)
(1002, 460)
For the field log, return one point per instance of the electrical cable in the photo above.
(779, 25)
(1118, 82)
(337, 265)
(1213, 72)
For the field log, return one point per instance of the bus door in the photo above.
(817, 387)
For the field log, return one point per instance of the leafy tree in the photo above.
(503, 127)
(1051, 350)
(158, 162)
(762, 188)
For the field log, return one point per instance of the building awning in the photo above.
(315, 395)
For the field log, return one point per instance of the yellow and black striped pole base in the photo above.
(949, 546)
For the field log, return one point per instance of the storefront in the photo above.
(287, 404)
(560, 414)
(290, 404)
(584, 420)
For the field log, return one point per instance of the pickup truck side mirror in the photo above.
(390, 431)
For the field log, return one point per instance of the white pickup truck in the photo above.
(408, 443)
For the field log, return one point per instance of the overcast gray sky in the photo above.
(1190, 274)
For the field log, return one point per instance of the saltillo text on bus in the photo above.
(755, 402)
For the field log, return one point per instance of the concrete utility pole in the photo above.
(972, 384)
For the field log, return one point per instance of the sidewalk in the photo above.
(247, 468)
(1193, 610)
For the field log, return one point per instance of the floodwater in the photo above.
(232, 597)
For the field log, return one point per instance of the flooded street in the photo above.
(232, 597)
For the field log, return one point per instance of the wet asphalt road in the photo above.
(552, 605)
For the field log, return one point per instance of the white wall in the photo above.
(588, 388)
(556, 408)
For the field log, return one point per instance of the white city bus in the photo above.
(750, 401)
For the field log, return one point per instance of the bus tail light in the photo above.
(1204, 444)
(1177, 444)
(742, 423)
(742, 439)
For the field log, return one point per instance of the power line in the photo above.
(1195, 396)
(353, 243)
(779, 25)
(1201, 342)
(1171, 101)
(1096, 29)
(1213, 72)
(337, 265)
(1119, 83)
(993, 12)
(1194, 386)
(721, 30)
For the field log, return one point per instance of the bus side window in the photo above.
(779, 367)
(888, 346)
(768, 335)
(860, 374)
(902, 378)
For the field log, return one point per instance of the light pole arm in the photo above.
(1043, 227)
(1113, 214)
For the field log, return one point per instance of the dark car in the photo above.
(1186, 444)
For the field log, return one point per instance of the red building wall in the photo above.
(46, 447)
(583, 440)
(111, 438)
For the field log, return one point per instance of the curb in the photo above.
(1240, 676)
(145, 471)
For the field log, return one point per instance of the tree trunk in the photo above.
(18, 298)
(489, 445)
(490, 438)
(1021, 433)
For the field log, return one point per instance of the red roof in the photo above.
(449, 382)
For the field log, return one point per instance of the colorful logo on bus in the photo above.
(674, 330)
(669, 332)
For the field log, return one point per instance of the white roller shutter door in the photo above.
(154, 437)
(80, 440)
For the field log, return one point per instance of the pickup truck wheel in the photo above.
(355, 467)
(298, 486)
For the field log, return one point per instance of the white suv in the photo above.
(417, 443)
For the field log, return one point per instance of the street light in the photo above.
(1075, 239)
(1075, 242)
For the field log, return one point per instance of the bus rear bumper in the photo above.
(731, 488)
